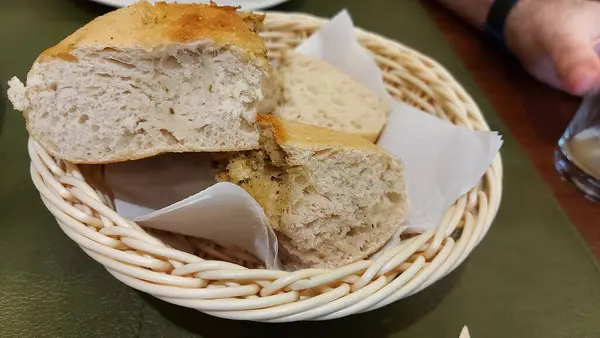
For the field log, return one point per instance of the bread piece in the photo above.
(332, 198)
(148, 79)
(316, 93)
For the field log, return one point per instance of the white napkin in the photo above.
(176, 192)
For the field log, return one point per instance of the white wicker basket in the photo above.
(217, 286)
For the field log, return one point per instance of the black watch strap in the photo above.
(496, 20)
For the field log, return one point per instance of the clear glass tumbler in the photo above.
(577, 157)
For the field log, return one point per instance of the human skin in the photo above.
(555, 40)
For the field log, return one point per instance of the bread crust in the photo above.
(150, 27)
(287, 132)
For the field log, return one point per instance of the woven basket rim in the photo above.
(229, 290)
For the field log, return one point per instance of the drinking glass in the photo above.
(577, 157)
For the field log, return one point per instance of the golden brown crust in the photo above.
(273, 122)
(146, 26)
(254, 21)
(288, 132)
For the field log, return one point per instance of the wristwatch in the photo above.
(496, 20)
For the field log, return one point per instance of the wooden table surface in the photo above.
(535, 114)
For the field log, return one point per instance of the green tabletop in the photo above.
(532, 276)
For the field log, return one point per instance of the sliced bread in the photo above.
(332, 198)
(316, 93)
(148, 79)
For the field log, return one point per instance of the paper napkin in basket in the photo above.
(177, 193)
(442, 161)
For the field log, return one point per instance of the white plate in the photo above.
(246, 5)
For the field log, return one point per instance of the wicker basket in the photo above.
(216, 286)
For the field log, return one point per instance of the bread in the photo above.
(148, 79)
(316, 93)
(332, 198)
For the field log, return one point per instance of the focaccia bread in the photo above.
(315, 92)
(148, 79)
(331, 197)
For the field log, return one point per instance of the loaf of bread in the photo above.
(148, 79)
(331, 197)
(316, 93)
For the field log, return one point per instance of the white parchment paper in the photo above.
(178, 193)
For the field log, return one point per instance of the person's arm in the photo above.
(472, 11)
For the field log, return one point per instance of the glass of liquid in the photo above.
(577, 157)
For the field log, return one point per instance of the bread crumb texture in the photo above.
(149, 79)
(316, 93)
(331, 201)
